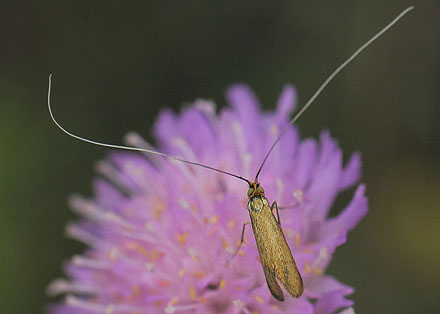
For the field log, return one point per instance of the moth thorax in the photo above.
(257, 203)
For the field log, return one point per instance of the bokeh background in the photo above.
(117, 64)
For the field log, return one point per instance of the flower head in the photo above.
(161, 234)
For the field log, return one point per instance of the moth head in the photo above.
(255, 190)
(260, 191)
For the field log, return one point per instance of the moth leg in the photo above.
(274, 204)
(242, 237)
(287, 207)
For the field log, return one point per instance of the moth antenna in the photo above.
(131, 148)
(328, 80)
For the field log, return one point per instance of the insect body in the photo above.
(275, 255)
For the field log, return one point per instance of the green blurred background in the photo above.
(116, 65)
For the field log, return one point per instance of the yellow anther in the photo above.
(297, 239)
(157, 210)
(181, 237)
(157, 254)
(231, 223)
(224, 243)
(318, 271)
(153, 291)
(276, 307)
(174, 301)
(200, 274)
(134, 293)
(195, 208)
(192, 293)
(222, 283)
(193, 253)
(309, 251)
(258, 298)
(306, 267)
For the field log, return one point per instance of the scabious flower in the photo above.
(161, 234)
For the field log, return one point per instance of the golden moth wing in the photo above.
(272, 283)
(275, 256)
(286, 270)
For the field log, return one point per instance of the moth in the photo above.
(276, 258)
(275, 255)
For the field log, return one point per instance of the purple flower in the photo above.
(161, 234)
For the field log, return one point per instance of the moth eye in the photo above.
(250, 191)
(260, 190)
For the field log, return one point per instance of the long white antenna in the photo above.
(328, 80)
(297, 116)
(138, 149)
